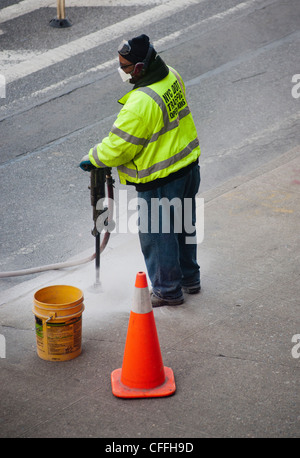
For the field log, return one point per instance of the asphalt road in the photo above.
(237, 59)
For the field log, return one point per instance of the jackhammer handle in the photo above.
(97, 185)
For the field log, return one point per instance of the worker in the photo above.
(154, 145)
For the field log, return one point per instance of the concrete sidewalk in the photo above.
(230, 347)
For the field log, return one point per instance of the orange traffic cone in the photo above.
(143, 374)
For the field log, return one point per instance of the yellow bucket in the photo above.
(58, 322)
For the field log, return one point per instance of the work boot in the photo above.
(159, 301)
(192, 289)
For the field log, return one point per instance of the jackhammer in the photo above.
(101, 220)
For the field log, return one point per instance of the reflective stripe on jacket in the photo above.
(154, 134)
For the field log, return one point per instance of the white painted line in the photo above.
(56, 88)
(24, 7)
(11, 57)
(60, 87)
(27, 6)
(95, 39)
(113, 3)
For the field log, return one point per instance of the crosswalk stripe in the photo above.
(76, 80)
(61, 53)
(27, 6)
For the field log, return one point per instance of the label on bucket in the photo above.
(39, 333)
(62, 338)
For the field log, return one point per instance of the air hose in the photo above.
(66, 264)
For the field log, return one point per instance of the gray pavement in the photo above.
(233, 347)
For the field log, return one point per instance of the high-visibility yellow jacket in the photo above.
(153, 136)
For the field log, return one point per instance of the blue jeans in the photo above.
(171, 262)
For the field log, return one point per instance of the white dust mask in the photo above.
(125, 76)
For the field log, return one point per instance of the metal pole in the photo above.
(97, 188)
(61, 9)
(97, 259)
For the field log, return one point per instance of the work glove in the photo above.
(86, 164)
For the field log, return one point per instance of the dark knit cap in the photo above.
(139, 48)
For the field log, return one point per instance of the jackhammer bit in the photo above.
(97, 189)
